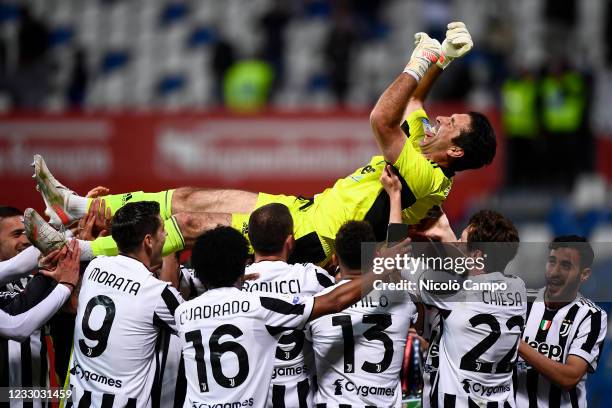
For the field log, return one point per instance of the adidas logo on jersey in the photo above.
(361, 390)
(477, 388)
(552, 351)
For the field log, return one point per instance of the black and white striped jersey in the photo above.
(122, 307)
(578, 329)
(229, 341)
(359, 352)
(171, 385)
(24, 364)
(431, 332)
(292, 376)
(480, 332)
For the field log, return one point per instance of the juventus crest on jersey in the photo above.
(578, 329)
(359, 352)
(122, 307)
(229, 341)
(293, 369)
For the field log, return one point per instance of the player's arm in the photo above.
(20, 326)
(583, 353)
(387, 115)
(346, 295)
(163, 313)
(457, 43)
(20, 265)
(393, 187)
(565, 375)
(420, 93)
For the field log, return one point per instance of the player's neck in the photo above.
(349, 274)
(278, 257)
(140, 256)
(553, 304)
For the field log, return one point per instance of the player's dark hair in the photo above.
(132, 222)
(486, 227)
(348, 243)
(269, 227)
(219, 257)
(478, 144)
(8, 212)
(577, 242)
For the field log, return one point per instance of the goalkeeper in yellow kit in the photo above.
(425, 162)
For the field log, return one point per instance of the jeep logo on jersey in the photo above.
(552, 351)
(338, 387)
(481, 390)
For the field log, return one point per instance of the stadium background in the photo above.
(274, 96)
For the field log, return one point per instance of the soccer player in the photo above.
(121, 309)
(24, 363)
(359, 351)
(425, 161)
(564, 334)
(480, 328)
(230, 336)
(271, 236)
(29, 310)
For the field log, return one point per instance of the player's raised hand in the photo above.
(426, 53)
(457, 43)
(390, 181)
(96, 223)
(98, 191)
(67, 267)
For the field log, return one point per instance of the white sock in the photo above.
(77, 205)
(86, 251)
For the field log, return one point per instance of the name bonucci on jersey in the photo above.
(578, 329)
(292, 375)
(229, 341)
(479, 338)
(359, 352)
(122, 308)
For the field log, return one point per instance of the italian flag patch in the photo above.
(545, 324)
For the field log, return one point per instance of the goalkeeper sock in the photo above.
(174, 240)
(116, 201)
(104, 246)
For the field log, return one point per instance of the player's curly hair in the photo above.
(487, 227)
(132, 222)
(478, 144)
(219, 257)
(577, 242)
(348, 243)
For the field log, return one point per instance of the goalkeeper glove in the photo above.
(427, 52)
(457, 43)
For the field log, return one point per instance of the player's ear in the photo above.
(455, 152)
(585, 274)
(290, 242)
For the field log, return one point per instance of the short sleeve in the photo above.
(589, 338)
(286, 312)
(163, 315)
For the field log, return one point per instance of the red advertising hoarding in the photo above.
(274, 152)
